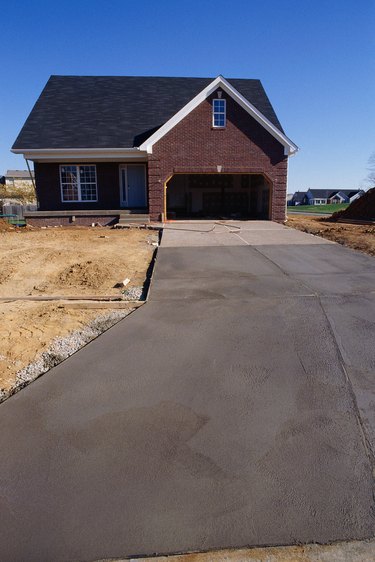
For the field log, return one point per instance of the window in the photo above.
(78, 183)
(218, 113)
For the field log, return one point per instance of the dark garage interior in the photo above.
(218, 196)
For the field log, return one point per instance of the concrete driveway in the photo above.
(235, 408)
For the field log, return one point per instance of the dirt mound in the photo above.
(86, 274)
(5, 226)
(361, 209)
(358, 236)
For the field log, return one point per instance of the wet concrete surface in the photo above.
(234, 409)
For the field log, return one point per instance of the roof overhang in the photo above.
(220, 82)
(81, 154)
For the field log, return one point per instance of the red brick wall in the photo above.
(194, 146)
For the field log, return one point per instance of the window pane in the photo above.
(69, 183)
(69, 174)
(69, 192)
(88, 192)
(87, 175)
(219, 120)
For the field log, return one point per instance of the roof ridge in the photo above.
(149, 76)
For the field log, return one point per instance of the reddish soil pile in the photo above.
(361, 209)
(5, 226)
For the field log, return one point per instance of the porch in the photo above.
(96, 217)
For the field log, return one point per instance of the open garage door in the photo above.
(211, 196)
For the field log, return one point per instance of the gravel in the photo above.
(62, 348)
(133, 294)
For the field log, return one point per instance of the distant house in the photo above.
(18, 178)
(346, 195)
(339, 197)
(318, 196)
(299, 198)
(329, 196)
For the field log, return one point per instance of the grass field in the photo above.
(318, 208)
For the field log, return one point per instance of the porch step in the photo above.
(131, 218)
(127, 212)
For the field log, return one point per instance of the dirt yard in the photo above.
(359, 237)
(60, 262)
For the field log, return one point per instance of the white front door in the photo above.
(133, 186)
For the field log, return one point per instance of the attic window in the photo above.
(218, 113)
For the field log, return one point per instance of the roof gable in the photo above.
(221, 82)
(349, 192)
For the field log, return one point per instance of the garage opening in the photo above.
(211, 196)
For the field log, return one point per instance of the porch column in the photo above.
(155, 189)
(279, 187)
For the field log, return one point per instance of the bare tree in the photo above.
(370, 178)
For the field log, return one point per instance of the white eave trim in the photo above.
(220, 82)
(73, 154)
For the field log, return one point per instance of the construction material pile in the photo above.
(361, 209)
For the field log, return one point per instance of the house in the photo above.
(155, 148)
(346, 196)
(318, 196)
(327, 196)
(299, 198)
(338, 197)
(19, 178)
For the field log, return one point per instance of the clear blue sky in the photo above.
(316, 60)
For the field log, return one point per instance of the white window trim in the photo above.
(79, 200)
(219, 113)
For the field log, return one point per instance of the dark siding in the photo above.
(47, 178)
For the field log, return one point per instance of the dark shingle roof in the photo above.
(328, 193)
(21, 174)
(322, 193)
(348, 192)
(116, 111)
(299, 196)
